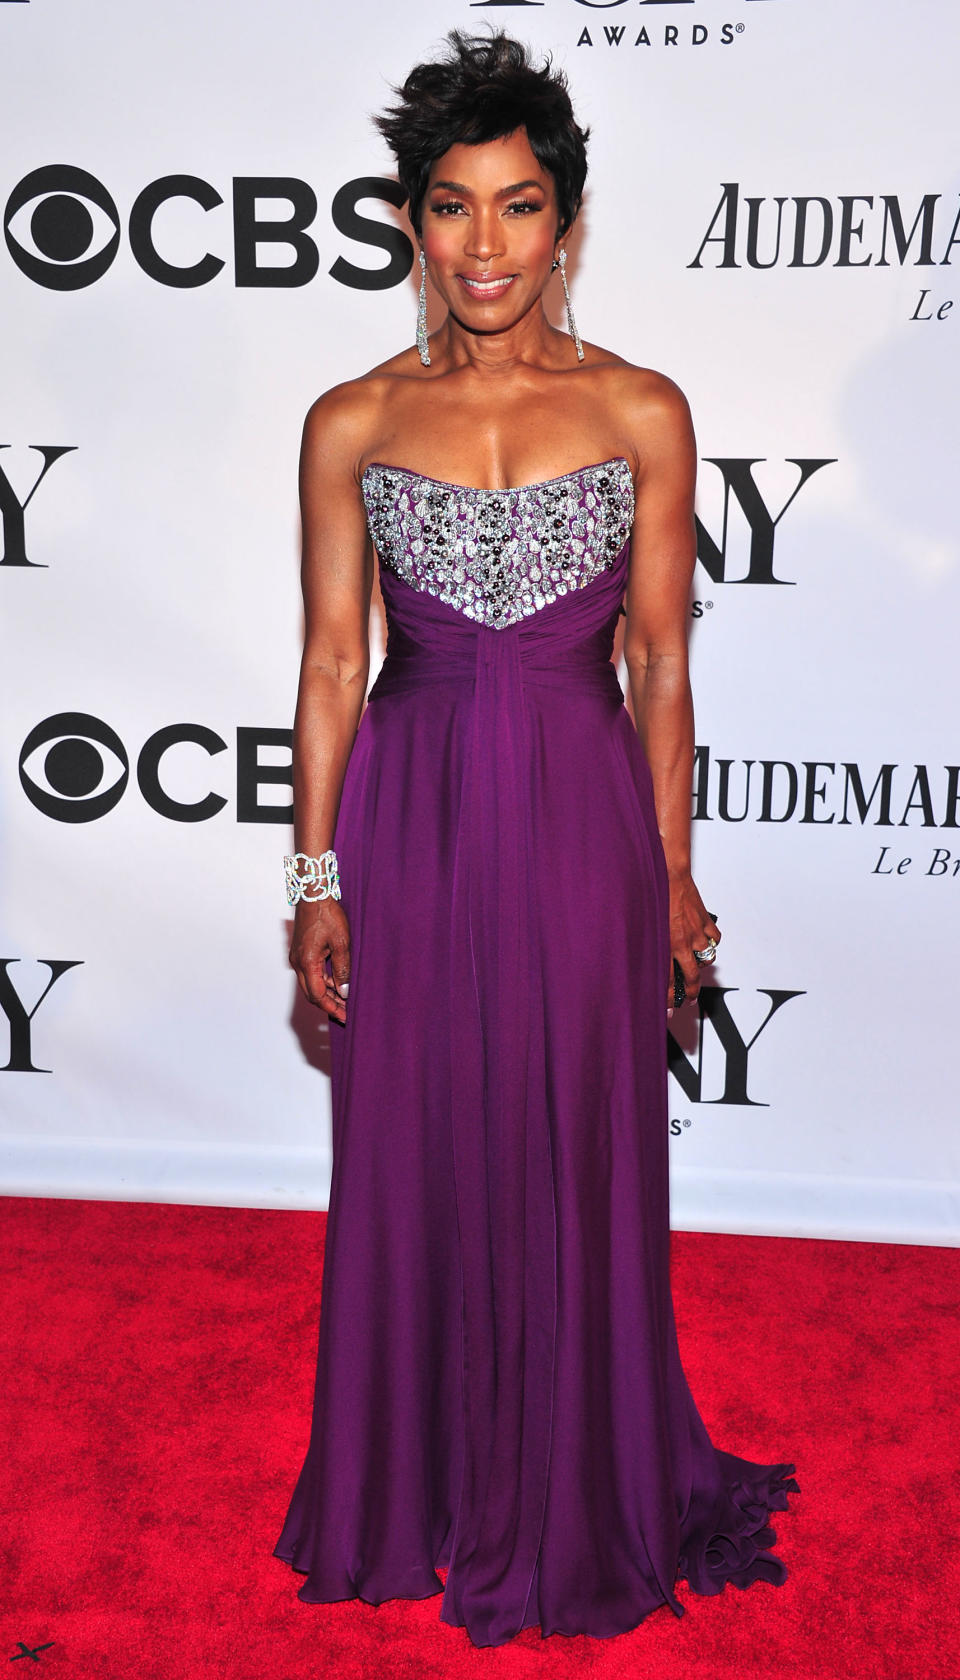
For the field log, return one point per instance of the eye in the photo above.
(447, 207)
(524, 206)
(66, 768)
(62, 227)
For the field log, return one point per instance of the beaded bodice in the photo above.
(499, 555)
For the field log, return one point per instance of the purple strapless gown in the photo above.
(499, 1386)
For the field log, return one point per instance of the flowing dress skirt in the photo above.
(499, 1388)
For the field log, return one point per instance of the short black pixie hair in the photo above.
(484, 89)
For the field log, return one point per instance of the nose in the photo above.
(484, 234)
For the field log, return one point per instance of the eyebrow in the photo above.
(504, 192)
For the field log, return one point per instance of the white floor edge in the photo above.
(721, 1200)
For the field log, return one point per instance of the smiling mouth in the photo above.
(486, 287)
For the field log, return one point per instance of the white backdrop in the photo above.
(150, 580)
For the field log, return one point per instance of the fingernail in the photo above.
(669, 1014)
(344, 989)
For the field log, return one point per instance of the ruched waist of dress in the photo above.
(409, 666)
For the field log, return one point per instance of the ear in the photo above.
(564, 231)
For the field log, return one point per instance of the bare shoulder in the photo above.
(651, 413)
(334, 428)
(643, 396)
(341, 423)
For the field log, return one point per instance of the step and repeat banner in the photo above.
(201, 233)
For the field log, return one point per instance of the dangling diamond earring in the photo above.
(422, 345)
(560, 261)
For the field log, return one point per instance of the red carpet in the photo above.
(159, 1367)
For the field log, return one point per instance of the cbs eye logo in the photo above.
(73, 227)
(64, 763)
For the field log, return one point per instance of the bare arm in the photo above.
(655, 649)
(337, 578)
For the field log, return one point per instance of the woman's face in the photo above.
(490, 231)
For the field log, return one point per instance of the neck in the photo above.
(529, 342)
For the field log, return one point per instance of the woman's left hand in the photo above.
(691, 928)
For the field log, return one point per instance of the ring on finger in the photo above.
(708, 954)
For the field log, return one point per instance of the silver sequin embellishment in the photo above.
(499, 555)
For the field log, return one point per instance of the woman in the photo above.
(499, 1390)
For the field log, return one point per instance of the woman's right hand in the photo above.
(321, 931)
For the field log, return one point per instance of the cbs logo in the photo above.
(75, 769)
(62, 229)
